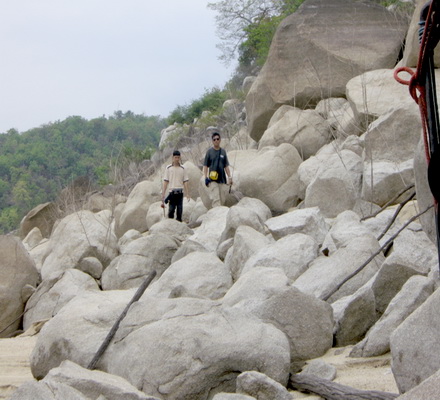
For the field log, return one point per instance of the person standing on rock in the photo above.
(216, 171)
(175, 184)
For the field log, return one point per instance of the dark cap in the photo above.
(176, 153)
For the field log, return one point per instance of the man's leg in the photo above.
(214, 194)
(223, 193)
(171, 206)
(179, 205)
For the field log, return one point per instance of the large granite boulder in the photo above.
(42, 217)
(78, 330)
(377, 340)
(292, 253)
(198, 274)
(307, 130)
(140, 257)
(336, 185)
(354, 315)
(345, 227)
(133, 214)
(389, 146)
(272, 182)
(241, 216)
(260, 386)
(412, 254)
(309, 221)
(212, 227)
(70, 381)
(340, 116)
(428, 389)
(375, 93)
(247, 241)
(79, 235)
(172, 228)
(306, 320)
(415, 345)
(193, 348)
(54, 293)
(17, 270)
(194, 175)
(317, 50)
(335, 276)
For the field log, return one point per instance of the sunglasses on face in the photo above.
(216, 139)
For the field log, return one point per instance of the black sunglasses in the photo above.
(215, 139)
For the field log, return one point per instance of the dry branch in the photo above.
(401, 205)
(392, 201)
(335, 391)
(384, 246)
(115, 326)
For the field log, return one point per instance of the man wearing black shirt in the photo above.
(216, 171)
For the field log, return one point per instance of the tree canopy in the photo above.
(35, 165)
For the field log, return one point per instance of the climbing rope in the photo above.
(422, 89)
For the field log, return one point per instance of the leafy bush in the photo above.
(211, 100)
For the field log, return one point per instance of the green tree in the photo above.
(246, 27)
(22, 196)
(9, 219)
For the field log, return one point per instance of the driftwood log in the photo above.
(335, 391)
(115, 326)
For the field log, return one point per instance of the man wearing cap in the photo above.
(216, 171)
(175, 184)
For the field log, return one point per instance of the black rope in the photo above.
(429, 21)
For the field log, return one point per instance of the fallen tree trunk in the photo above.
(335, 391)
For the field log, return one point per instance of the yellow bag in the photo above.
(213, 175)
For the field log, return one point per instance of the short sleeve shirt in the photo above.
(176, 176)
(217, 160)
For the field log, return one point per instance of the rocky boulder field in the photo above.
(327, 241)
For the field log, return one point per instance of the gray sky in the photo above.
(93, 57)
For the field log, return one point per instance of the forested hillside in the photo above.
(35, 165)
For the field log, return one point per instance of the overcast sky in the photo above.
(93, 57)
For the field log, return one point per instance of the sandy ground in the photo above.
(14, 363)
(362, 373)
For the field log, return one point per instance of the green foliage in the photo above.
(254, 49)
(212, 100)
(35, 165)
(9, 219)
(248, 26)
(259, 37)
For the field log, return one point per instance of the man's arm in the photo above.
(186, 188)
(164, 190)
(228, 174)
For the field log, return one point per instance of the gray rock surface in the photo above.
(17, 270)
(414, 345)
(377, 340)
(199, 274)
(148, 253)
(317, 50)
(54, 293)
(79, 235)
